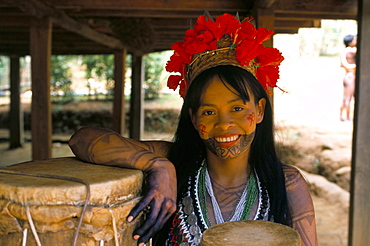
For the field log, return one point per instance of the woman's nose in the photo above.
(225, 121)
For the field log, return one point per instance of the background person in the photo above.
(348, 62)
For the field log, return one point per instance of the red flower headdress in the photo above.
(226, 41)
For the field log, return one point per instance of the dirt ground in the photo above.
(307, 120)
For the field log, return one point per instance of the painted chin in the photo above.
(228, 147)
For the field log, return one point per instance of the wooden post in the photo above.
(119, 91)
(137, 98)
(266, 18)
(40, 50)
(359, 222)
(15, 114)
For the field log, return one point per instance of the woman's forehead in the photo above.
(218, 89)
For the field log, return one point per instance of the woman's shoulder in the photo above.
(293, 176)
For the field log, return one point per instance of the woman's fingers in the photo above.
(155, 220)
(139, 207)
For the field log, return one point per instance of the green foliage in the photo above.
(99, 67)
(333, 34)
(61, 81)
(4, 63)
(154, 67)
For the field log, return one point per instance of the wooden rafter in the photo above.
(38, 9)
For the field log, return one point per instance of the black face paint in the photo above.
(243, 144)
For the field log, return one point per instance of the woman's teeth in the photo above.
(228, 139)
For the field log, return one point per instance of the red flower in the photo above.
(270, 57)
(263, 34)
(225, 24)
(268, 76)
(246, 52)
(247, 42)
(246, 32)
(174, 81)
(184, 86)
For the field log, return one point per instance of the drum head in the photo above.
(251, 233)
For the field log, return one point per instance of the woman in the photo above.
(223, 153)
(348, 62)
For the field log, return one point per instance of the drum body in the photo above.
(52, 208)
(251, 233)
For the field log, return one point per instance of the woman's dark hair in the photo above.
(189, 151)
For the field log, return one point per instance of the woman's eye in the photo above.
(207, 112)
(238, 109)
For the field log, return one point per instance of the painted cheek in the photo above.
(202, 129)
(251, 118)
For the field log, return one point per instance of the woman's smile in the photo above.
(226, 140)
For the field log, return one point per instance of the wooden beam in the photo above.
(265, 3)
(40, 49)
(15, 113)
(119, 113)
(329, 6)
(266, 18)
(306, 15)
(360, 182)
(136, 129)
(39, 10)
(144, 5)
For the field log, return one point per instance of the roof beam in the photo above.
(37, 9)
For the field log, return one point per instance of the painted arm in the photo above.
(102, 146)
(300, 206)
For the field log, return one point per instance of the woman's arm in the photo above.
(300, 206)
(348, 58)
(102, 146)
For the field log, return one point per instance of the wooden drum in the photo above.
(251, 233)
(44, 203)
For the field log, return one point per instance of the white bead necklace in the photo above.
(216, 208)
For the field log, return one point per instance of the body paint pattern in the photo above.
(303, 216)
(230, 152)
(251, 117)
(202, 129)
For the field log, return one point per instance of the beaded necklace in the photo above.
(244, 204)
(191, 219)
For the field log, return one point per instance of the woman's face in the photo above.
(225, 123)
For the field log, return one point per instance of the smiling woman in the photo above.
(227, 127)
(222, 165)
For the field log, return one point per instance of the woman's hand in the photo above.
(161, 199)
(105, 147)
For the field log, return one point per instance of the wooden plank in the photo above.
(119, 114)
(40, 49)
(305, 15)
(343, 6)
(264, 3)
(266, 18)
(39, 9)
(15, 114)
(76, 5)
(360, 182)
(136, 128)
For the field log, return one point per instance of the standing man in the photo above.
(348, 62)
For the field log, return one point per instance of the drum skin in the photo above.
(251, 233)
(55, 205)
